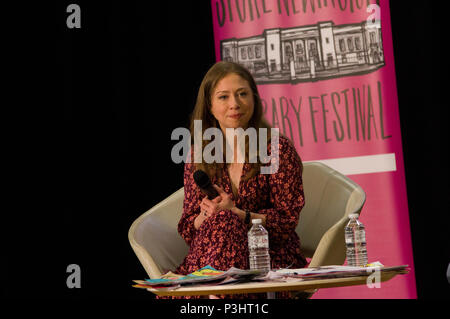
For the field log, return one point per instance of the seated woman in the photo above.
(216, 230)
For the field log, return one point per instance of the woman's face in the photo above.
(232, 102)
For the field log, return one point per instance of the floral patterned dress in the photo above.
(221, 240)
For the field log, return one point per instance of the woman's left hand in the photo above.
(221, 202)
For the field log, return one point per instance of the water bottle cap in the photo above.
(257, 221)
(353, 216)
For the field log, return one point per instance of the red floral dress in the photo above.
(221, 240)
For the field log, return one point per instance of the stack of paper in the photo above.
(205, 275)
(210, 276)
(326, 272)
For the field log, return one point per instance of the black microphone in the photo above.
(204, 183)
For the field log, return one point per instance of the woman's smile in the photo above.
(236, 116)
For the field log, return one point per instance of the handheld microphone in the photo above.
(204, 183)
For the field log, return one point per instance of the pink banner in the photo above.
(325, 72)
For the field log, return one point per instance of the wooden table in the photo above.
(272, 286)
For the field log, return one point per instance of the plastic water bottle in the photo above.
(355, 240)
(258, 245)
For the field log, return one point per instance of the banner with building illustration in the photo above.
(325, 72)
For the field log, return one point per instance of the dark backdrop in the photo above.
(129, 76)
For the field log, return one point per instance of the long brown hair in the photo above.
(202, 111)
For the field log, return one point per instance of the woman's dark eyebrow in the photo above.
(226, 91)
(223, 91)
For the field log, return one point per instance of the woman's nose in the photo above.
(234, 102)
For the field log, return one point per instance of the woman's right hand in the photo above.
(198, 221)
(204, 214)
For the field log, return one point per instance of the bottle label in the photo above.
(258, 242)
(358, 237)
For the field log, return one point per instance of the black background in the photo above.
(130, 76)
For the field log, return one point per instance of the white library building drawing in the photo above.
(308, 53)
